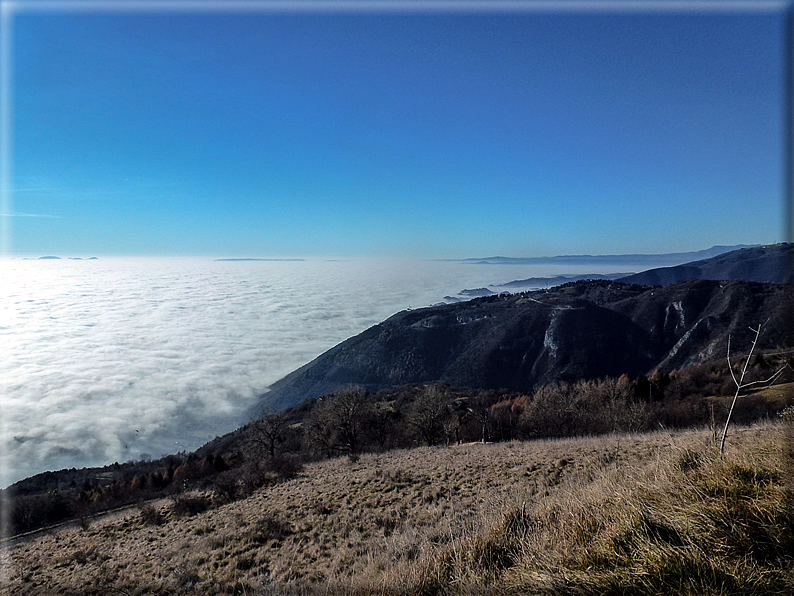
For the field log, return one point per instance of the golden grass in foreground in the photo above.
(629, 514)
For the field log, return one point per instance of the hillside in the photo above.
(768, 264)
(575, 331)
(624, 514)
(274, 448)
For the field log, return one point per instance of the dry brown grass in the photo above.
(628, 514)
(776, 395)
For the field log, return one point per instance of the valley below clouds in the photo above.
(111, 359)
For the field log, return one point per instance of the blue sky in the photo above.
(435, 134)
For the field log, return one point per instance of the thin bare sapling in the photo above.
(740, 384)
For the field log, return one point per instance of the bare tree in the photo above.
(266, 431)
(428, 413)
(740, 384)
(452, 425)
(481, 409)
(337, 422)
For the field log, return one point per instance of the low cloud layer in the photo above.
(102, 361)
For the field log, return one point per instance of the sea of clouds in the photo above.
(106, 360)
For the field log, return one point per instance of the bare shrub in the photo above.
(269, 527)
(243, 481)
(189, 505)
(787, 414)
(743, 382)
(285, 466)
(228, 486)
(151, 515)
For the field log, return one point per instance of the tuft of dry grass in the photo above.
(685, 523)
(622, 514)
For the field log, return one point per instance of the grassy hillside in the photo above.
(621, 514)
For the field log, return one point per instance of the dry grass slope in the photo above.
(622, 514)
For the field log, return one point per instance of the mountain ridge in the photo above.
(579, 330)
(773, 263)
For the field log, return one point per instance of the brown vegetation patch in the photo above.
(644, 514)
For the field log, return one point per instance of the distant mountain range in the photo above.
(55, 258)
(266, 260)
(771, 264)
(649, 260)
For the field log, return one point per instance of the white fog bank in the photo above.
(105, 360)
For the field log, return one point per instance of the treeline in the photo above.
(53, 497)
(350, 421)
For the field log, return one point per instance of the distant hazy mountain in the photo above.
(770, 264)
(546, 282)
(578, 330)
(649, 260)
(266, 260)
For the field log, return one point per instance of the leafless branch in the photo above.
(740, 382)
(730, 367)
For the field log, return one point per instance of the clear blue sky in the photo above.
(432, 134)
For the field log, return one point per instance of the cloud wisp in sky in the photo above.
(28, 215)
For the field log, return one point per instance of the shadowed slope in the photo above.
(575, 331)
(769, 264)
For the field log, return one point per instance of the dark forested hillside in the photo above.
(574, 331)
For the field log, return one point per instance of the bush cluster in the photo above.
(433, 414)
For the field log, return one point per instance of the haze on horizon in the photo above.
(438, 133)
